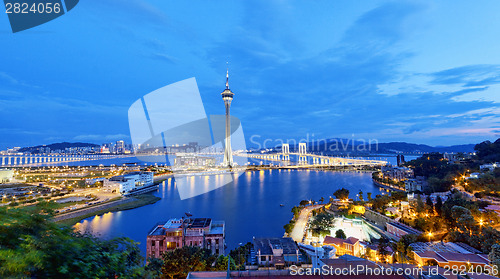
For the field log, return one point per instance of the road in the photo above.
(298, 230)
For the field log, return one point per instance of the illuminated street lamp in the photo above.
(430, 235)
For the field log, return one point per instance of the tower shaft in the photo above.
(227, 96)
(228, 153)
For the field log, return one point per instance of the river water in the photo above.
(250, 205)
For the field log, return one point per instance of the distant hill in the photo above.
(347, 146)
(57, 146)
(403, 147)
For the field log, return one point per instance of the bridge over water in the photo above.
(305, 158)
(28, 160)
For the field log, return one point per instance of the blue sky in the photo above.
(416, 71)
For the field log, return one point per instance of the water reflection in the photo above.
(250, 206)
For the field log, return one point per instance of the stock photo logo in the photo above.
(26, 14)
(170, 126)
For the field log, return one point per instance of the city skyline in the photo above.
(391, 71)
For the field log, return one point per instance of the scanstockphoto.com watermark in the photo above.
(359, 270)
(317, 145)
(353, 270)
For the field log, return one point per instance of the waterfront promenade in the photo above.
(298, 230)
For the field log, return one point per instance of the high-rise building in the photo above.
(120, 146)
(400, 159)
(227, 96)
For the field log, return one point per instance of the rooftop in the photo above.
(439, 246)
(339, 241)
(215, 227)
(266, 245)
(444, 257)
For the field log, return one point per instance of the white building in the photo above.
(6, 175)
(474, 175)
(318, 253)
(128, 182)
(489, 166)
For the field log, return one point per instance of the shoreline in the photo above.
(387, 186)
(126, 203)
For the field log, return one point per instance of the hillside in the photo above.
(57, 146)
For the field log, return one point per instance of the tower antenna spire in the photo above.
(227, 75)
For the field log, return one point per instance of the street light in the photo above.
(430, 235)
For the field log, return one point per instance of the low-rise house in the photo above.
(448, 254)
(276, 251)
(415, 184)
(474, 175)
(6, 175)
(350, 246)
(490, 167)
(448, 259)
(318, 253)
(177, 233)
(370, 251)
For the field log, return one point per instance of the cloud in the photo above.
(164, 57)
(461, 84)
(137, 10)
(304, 89)
(469, 76)
(8, 78)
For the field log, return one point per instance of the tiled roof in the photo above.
(457, 257)
(351, 240)
(333, 240)
(444, 257)
(431, 255)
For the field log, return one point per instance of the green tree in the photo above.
(289, 227)
(221, 263)
(341, 194)
(322, 222)
(33, 246)
(439, 206)
(494, 255)
(304, 202)
(360, 194)
(420, 205)
(487, 151)
(369, 196)
(296, 211)
(383, 251)
(430, 205)
(179, 262)
(239, 255)
(340, 234)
